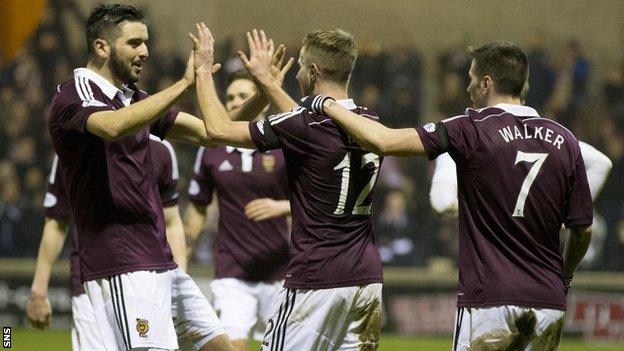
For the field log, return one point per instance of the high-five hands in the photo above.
(265, 64)
(203, 49)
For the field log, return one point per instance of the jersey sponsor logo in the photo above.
(50, 200)
(268, 162)
(142, 327)
(430, 127)
(225, 166)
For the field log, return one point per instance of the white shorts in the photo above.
(146, 309)
(507, 328)
(244, 307)
(84, 332)
(326, 319)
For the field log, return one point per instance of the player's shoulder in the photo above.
(161, 147)
(366, 112)
(296, 114)
(77, 90)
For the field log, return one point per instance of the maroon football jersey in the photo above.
(520, 177)
(244, 249)
(331, 182)
(56, 204)
(111, 189)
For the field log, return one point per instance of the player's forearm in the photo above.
(216, 120)
(575, 249)
(374, 136)
(52, 240)
(277, 96)
(194, 220)
(130, 119)
(249, 110)
(175, 236)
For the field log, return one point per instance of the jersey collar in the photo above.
(242, 150)
(516, 110)
(107, 87)
(347, 103)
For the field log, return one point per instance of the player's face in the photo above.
(475, 88)
(303, 75)
(129, 52)
(238, 92)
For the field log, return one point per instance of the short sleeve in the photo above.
(289, 126)
(201, 186)
(168, 178)
(161, 126)
(72, 111)
(56, 204)
(579, 211)
(457, 136)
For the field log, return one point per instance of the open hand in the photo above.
(203, 49)
(260, 58)
(278, 69)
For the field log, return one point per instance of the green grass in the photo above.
(34, 340)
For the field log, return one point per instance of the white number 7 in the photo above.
(536, 158)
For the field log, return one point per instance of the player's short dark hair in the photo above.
(240, 74)
(334, 51)
(506, 63)
(103, 21)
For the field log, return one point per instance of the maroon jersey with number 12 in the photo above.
(331, 182)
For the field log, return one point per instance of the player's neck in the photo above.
(105, 72)
(335, 90)
(497, 99)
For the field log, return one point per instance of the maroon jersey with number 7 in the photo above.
(520, 177)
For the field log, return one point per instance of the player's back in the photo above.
(331, 184)
(520, 177)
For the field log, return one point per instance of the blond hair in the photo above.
(334, 51)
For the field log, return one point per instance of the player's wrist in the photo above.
(38, 294)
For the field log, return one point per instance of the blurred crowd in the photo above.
(390, 82)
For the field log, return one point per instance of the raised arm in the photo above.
(261, 66)
(219, 128)
(38, 309)
(254, 106)
(372, 135)
(128, 120)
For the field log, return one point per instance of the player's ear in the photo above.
(314, 71)
(486, 84)
(101, 48)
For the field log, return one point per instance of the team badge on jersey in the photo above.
(268, 162)
(430, 127)
(142, 327)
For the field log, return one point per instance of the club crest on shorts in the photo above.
(268, 162)
(142, 327)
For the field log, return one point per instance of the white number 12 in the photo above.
(538, 160)
(359, 207)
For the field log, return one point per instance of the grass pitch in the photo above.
(25, 339)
